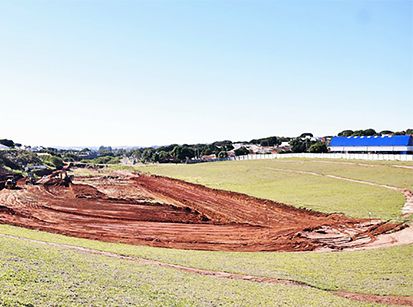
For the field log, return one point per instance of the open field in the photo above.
(381, 272)
(33, 274)
(50, 268)
(278, 180)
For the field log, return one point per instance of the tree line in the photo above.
(372, 132)
(174, 153)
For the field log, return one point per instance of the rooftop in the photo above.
(384, 140)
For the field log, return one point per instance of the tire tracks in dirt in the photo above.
(381, 299)
(189, 216)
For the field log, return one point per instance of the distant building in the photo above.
(207, 158)
(395, 144)
(231, 153)
(259, 149)
(35, 167)
(284, 147)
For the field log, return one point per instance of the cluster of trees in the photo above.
(181, 153)
(53, 161)
(104, 155)
(269, 141)
(9, 143)
(242, 151)
(303, 144)
(372, 132)
(17, 160)
(103, 160)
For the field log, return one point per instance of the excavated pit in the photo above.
(165, 212)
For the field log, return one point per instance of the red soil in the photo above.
(166, 212)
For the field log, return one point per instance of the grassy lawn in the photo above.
(273, 179)
(385, 271)
(32, 275)
(374, 172)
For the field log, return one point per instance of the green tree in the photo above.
(222, 143)
(147, 154)
(300, 145)
(346, 133)
(241, 151)
(222, 154)
(164, 156)
(183, 153)
(318, 147)
(53, 161)
(386, 132)
(369, 132)
(268, 141)
(6, 142)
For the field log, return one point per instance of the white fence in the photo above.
(384, 157)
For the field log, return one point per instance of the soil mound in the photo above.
(165, 212)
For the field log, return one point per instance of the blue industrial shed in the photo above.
(401, 144)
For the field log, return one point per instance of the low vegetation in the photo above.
(382, 271)
(34, 275)
(53, 161)
(103, 160)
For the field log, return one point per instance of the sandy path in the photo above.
(403, 166)
(383, 299)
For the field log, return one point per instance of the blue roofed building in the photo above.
(395, 144)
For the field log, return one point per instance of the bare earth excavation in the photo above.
(165, 212)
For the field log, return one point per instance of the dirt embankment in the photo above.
(164, 212)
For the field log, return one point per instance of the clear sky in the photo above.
(159, 72)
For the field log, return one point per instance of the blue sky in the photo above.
(159, 72)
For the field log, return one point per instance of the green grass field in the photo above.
(382, 271)
(31, 273)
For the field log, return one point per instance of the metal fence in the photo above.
(383, 157)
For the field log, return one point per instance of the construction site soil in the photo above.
(164, 212)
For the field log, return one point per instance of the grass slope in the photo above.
(273, 179)
(32, 275)
(385, 271)
(374, 172)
